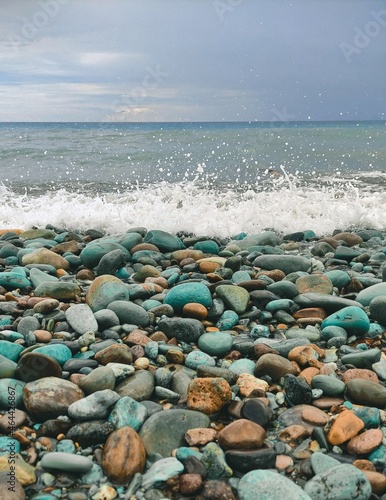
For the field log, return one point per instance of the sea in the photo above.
(212, 179)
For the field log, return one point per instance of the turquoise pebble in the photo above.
(66, 445)
(215, 343)
(184, 452)
(207, 246)
(10, 350)
(352, 318)
(9, 445)
(150, 304)
(61, 353)
(260, 331)
(240, 276)
(378, 456)
(227, 320)
(279, 305)
(241, 366)
(196, 358)
(128, 412)
(185, 293)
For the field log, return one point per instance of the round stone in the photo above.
(215, 343)
(186, 293)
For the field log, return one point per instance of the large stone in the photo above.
(139, 386)
(45, 256)
(81, 318)
(353, 319)
(186, 329)
(314, 283)
(275, 366)
(286, 263)
(269, 485)
(378, 309)
(186, 293)
(365, 296)
(164, 431)
(111, 262)
(235, 297)
(330, 303)
(166, 242)
(130, 313)
(10, 281)
(208, 395)
(96, 406)
(123, 455)
(33, 366)
(93, 252)
(241, 434)
(346, 426)
(365, 392)
(60, 290)
(104, 290)
(343, 481)
(50, 397)
(66, 462)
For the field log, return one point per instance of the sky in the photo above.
(192, 60)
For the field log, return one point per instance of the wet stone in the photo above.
(296, 391)
(33, 366)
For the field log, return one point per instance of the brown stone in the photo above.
(137, 337)
(50, 397)
(208, 395)
(200, 436)
(144, 246)
(190, 484)
(158, 336)
(67, 246)
(175, 356)
(85, 275)
(195, 311)
(252, 285)
(282, 462)
(377, 481)
(208, 266)
(326, 402)
(364, 464)
(33, 366)
(249, 384)
(359, 373)
(45, 306)
(16, 418)
(302, 354)
(123, 455)
(314, 283)
(275, 274)
(216, 490)
(43, 336)
(260, 349)
(314, 416)
(293, 434)
(45, 256)
(274, 366)
(160, 281)
(242, 434)
(365, 443)
(309, 373)
(328, 369)
(350, 238)
(117, 353)
(331, 241)
(346, 426)
(310, 312)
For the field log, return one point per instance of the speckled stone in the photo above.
(208, 395)
(269, 485)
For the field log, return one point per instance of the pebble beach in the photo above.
(151, 365)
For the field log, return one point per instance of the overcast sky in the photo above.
(192, 60)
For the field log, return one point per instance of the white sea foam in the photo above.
(200, 210)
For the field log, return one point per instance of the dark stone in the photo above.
(74, 365)
(260, 298)
(257, 411)
(91, 433)
(296, 391)
(33, 366)
(245, 461)
(194, 466)
(216, 490)
(52, 428)
(214, 371)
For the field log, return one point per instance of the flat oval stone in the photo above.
(45, 256)
(266, 484)
(96, 406)
(129, 313)
(104, 290)
(59, 352)
(365, 392)
(275, 366)
(186, 329)
(186, 293)
(329, 303)
(365, 296)
(123, 455)
(166, 242)
(60, 290)
(215, 343)
(66, 462)
(156, 431)
(99, 379)
(235, 297)
(245, 461)
(362, 359)
(81, 318)
(342, 481)
(330, 386)
(286, 263)
(353, 319)
(139, 386)
(50, 397)
(33, 366)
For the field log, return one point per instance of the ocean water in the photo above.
(214, 179)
